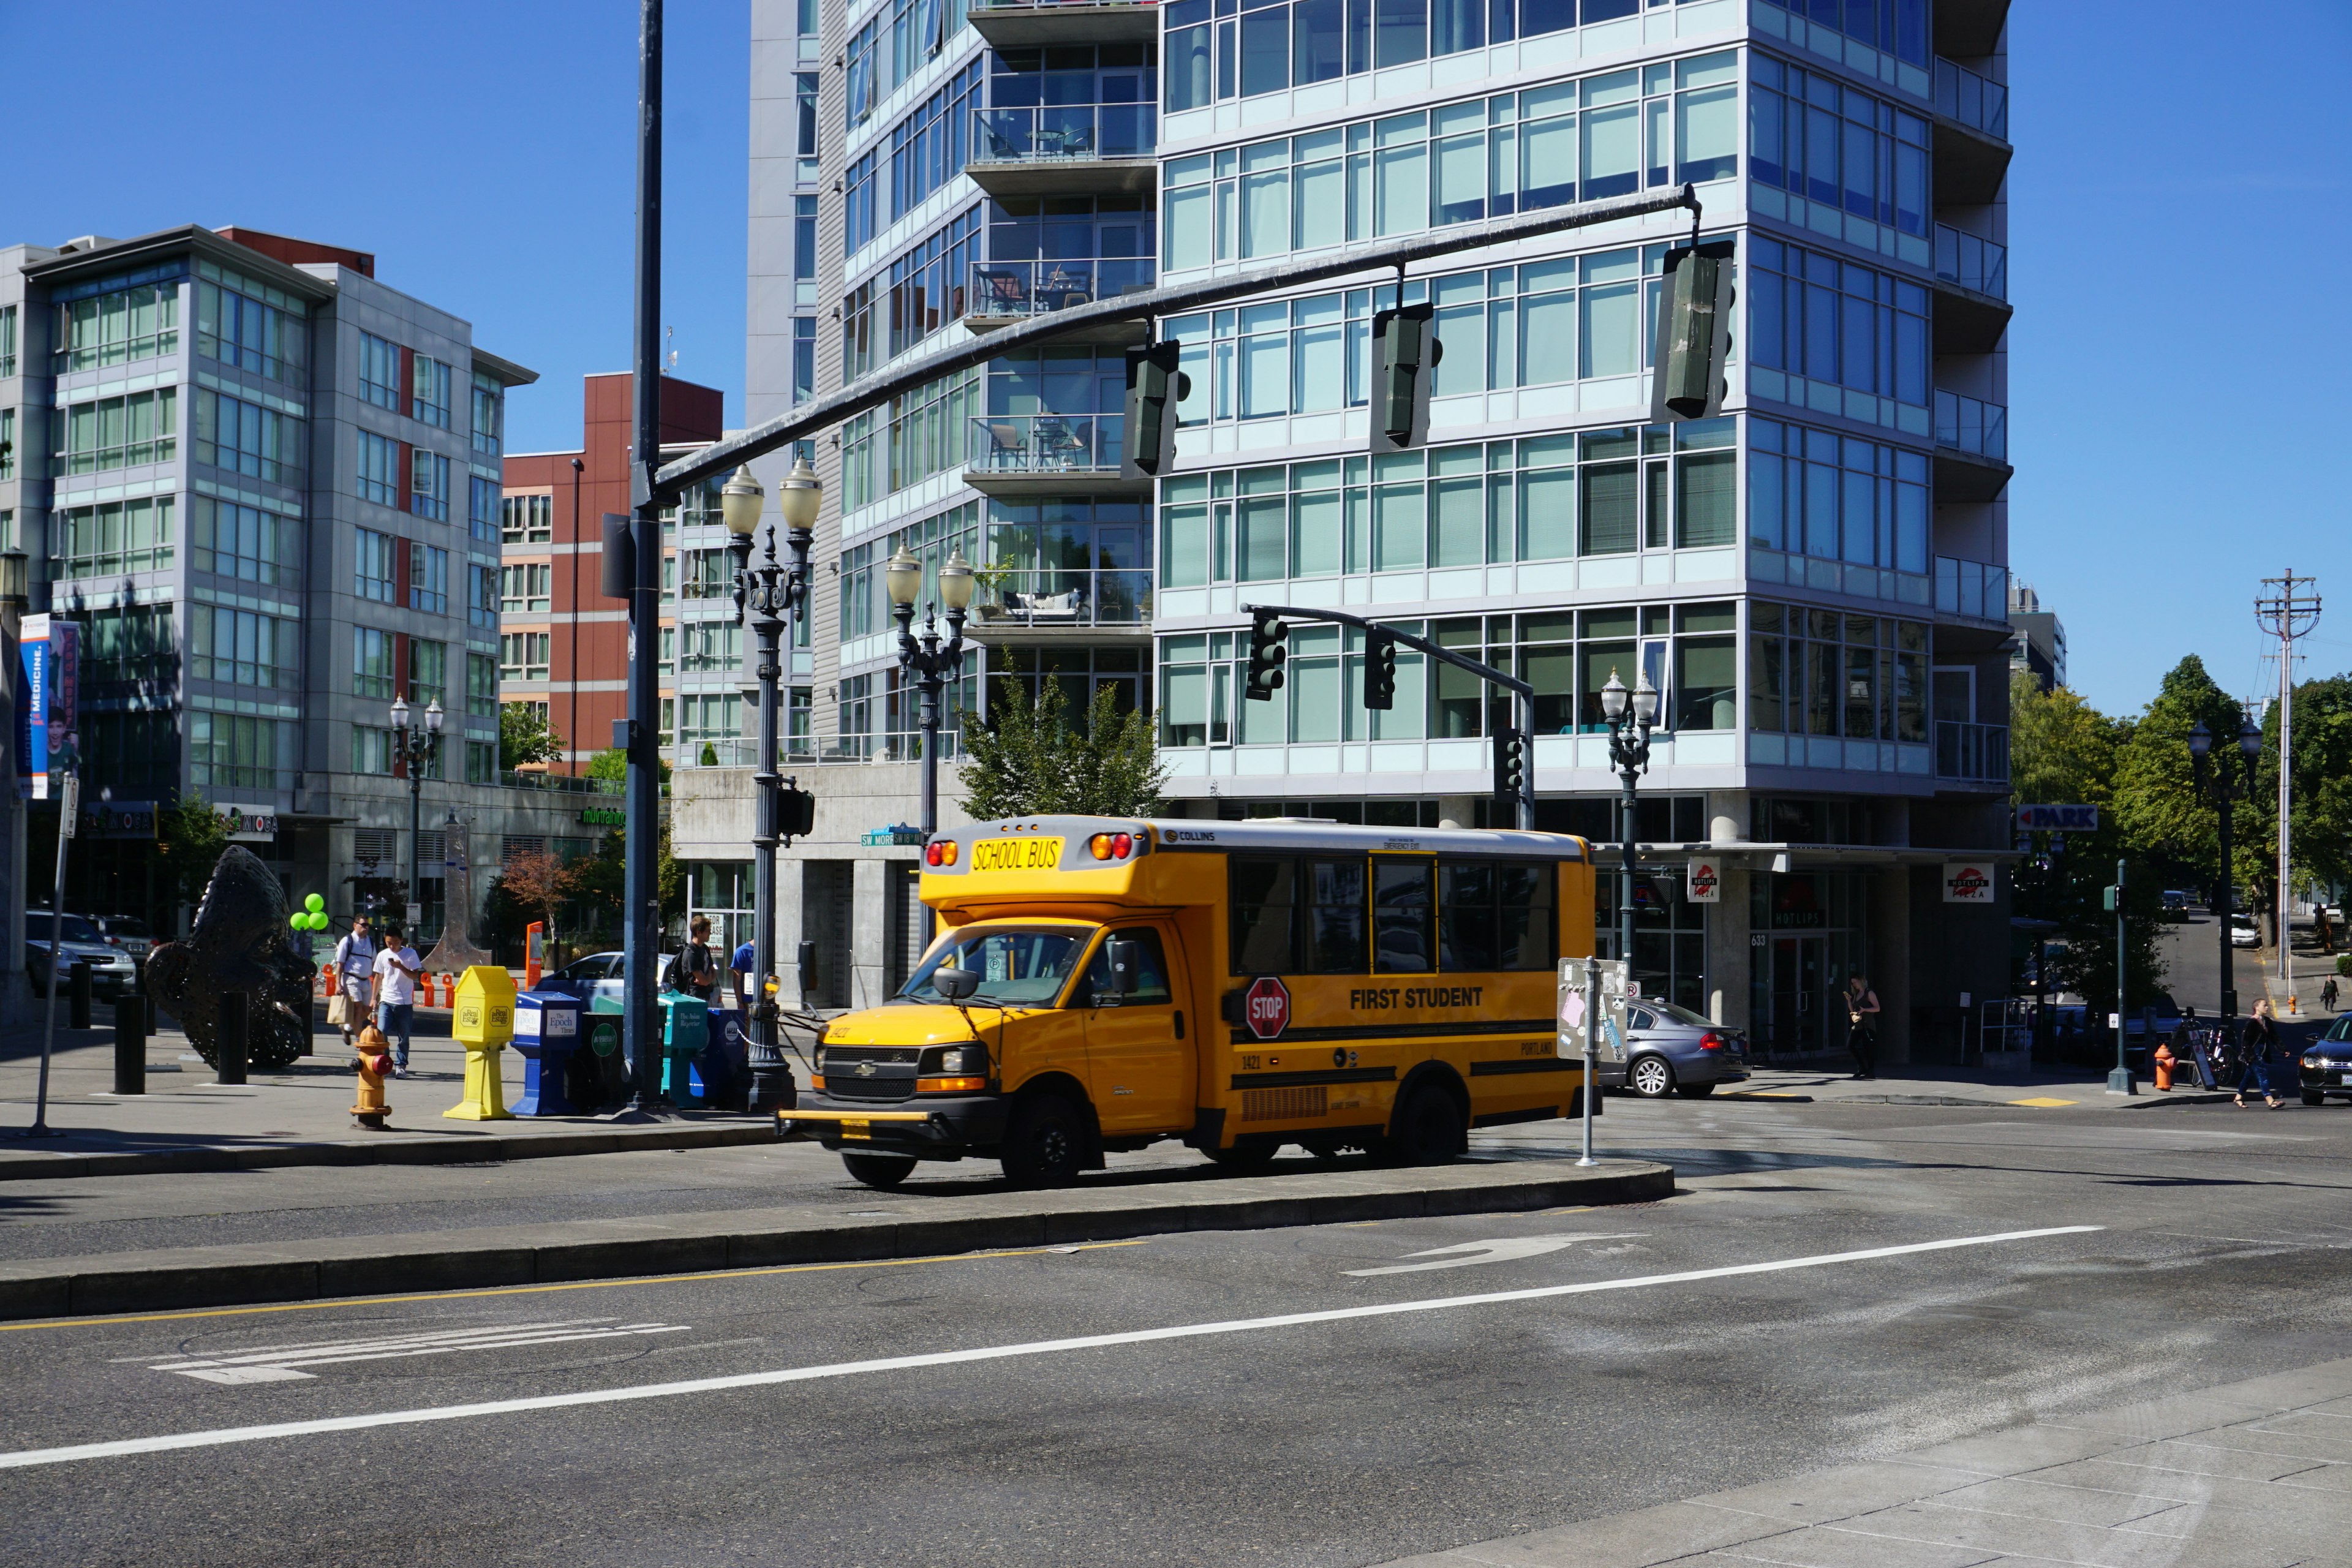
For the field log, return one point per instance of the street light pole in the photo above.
(414, 749)
(641, 888)
(2221, 789)
(769, 596)
(1629, 753)
(929, 660)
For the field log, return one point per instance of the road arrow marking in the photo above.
(1503, 1251)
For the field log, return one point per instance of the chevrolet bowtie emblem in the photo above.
(864, 1070)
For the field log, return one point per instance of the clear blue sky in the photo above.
(2177, 205)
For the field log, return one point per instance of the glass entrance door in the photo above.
(1798, 1006)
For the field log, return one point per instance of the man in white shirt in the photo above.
(396, 969)
(355, 971)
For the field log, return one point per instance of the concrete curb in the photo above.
(196, 1276)
(455, 1148)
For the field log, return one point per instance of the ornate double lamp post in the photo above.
(1629, 715)
(769, 595)
(928, 661)
(2223, 786)
(415, 750)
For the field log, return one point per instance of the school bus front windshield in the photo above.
(1019, 966)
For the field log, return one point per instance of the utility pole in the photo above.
(2287, 609)
(641, 894)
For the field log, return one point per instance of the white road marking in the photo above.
(28, 1458)
(281, 1364)
(1503, 1251)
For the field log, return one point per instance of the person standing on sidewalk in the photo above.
(2328, 994)
(2260, 1054)
(355, 977)
(738, 978)
(695, 972)
(1861, 1026)
(397, 968)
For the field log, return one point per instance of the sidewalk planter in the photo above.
(546, 1032)
(484, 1024)
(686, 1031)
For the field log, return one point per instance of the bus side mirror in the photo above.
(955, 985)
(1126, 963)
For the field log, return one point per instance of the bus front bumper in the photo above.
(928, 1127)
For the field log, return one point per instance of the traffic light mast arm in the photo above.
(722, 457)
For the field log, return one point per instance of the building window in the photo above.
(235, 751)
(481, 762)
(371, 751)
(803, 358)
(129, 646)
(931, 144)
(804, 97)
(428, 673)
(1871, 163)
(482, 508)
(1811, 492)
(251, 325)
(242, 648)
(111, 538)
(924, 290)
(428, 484)
(8, 340)
(1818, 672)
(430, 403)
(379, 468)
(379, 372)
(804, 239)
(902, 38)
(1081, 672)
(927, 430)
(428, 579)
(489, 415)
(8, 443)
(528, 519)
(523, 655)
(244, 542)
(707, 716)
(481, 686)
(373, 576)
(482, 596)
(117, 432)
(246, 439)
(865, 599)
(525, 588)
(112, 328)
(371, 666)
(711, 647)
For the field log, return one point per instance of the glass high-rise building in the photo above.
(1817, 581)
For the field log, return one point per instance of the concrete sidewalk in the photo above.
(188, 1123)
(2248, 1475)
(1956, 1086)
(891, 1226)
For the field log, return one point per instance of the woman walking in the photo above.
(2257, 1054)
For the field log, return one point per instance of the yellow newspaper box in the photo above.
(483, 1025)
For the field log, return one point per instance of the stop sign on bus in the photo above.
(1268, 1007)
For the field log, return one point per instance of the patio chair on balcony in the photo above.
(1004, 293)
(1045, 606)
(1007, 452)
(1060, 446)
(1062, 290)
(1002, 149)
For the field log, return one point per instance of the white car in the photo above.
(2243, 932)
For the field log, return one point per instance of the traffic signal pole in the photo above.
(1522, 697)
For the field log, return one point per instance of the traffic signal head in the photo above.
(1406, 347)
(1380, 669)
(1154, 387)
(1510, 758)
(1694, 332)
(1265, 657)
(796, 811)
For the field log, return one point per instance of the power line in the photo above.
(2287, 608)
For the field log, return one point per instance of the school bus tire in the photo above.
(1431, 1125)
(1047, 1140)
(881, 1171)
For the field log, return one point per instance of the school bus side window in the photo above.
(1402, 916)
(1151, 977)
(1262, 903)
(1465, 917)
(1335, 917)
(1528, 912)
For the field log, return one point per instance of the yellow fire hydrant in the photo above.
(483, 1024)
(375, 1063)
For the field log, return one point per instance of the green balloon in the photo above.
(299, 922)
(314, 903)
(318, 920)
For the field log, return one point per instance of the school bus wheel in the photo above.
(878, 1171)
(1046, 1139)
(1429, 1127)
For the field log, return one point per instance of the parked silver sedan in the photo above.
(1673, 1050)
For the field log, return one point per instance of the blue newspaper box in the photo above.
(686, 1032)
(547, 1030)
(716, 1074)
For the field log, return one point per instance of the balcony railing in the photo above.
(1045, 443)
(1035, 288)
(1050, 5)
(1969, 425)
(1055, 597)
(1976, 753)
(1973, 263)
(1063, 133)
(738, 751)
(1971, 588)
(563, 783)
(1973, 101)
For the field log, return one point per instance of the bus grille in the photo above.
(1284, 1104)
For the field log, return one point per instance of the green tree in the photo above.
(2157, 801)
(614, 765)
(525, 736)
(191, 837)
(1026, 759)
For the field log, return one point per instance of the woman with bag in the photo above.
(353, 1002)
(2259, 1052)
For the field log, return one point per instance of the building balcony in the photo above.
(1978, 102)
(1971, 448)
(1005, 292)
(740, 750)
(1036, 23)
(1972, 588)
(1970, 29)
(1978, 266)
(1971, 154)
(1048, 454)
(1972, 754)
(1972, 306)
(1051, 599)
(1079, 149)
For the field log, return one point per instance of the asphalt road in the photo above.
(1367, 1425)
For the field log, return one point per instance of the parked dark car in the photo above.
(2327, 1064)
(1673, 1050)
(127, 932)
(112, 972)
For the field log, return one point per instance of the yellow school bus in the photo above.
(1101, 984)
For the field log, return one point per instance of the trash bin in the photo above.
(686, 1031)
(716, 1075)
(484, 1023)
(547, 1033)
